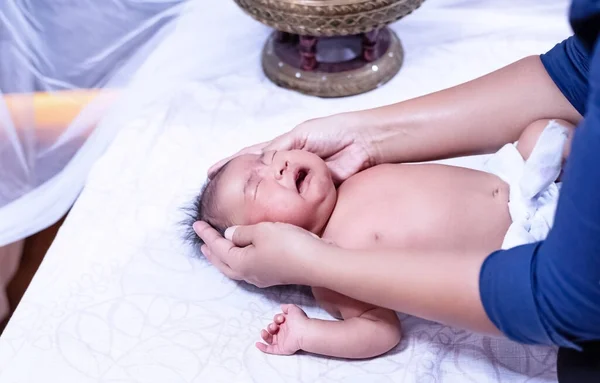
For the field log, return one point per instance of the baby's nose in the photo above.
(280, 170)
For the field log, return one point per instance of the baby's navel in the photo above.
(501, 190)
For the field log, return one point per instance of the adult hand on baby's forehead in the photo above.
(265, 254)
(345, 145)
(254, 149)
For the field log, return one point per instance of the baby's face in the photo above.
(284, 186)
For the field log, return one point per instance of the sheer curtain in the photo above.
(63, 64)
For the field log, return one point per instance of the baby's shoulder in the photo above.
(371, 174)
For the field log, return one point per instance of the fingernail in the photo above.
(229, 232)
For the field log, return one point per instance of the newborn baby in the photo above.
(393, 206)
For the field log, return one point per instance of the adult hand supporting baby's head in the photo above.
(341, 140)
(265, 254)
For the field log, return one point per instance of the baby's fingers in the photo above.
(278, 319)
(266, 336)
(267, 348)
(273, 328)
(287, 307)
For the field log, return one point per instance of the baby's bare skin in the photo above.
(420, 206)
(405, 206)
(426, 207)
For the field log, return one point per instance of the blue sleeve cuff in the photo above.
(568, 66)
(548, 292)
(507, 288)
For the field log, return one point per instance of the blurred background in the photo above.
(62, 66)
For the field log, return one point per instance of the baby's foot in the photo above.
(283, 336)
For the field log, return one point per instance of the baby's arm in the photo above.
(365, 331)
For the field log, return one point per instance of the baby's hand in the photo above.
(283, 336)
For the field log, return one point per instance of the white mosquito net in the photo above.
(62, 65)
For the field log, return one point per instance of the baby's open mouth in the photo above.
(300, 177)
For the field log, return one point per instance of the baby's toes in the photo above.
(273, 328)
(268, 338)
(279, 318)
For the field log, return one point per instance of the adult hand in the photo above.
(265, 254)
(342, 140)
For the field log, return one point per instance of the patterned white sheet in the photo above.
(120, 298)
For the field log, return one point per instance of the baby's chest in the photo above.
(372, 225)
(418, 210)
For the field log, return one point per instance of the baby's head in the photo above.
(279, 186)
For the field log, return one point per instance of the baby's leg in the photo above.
(532, 133)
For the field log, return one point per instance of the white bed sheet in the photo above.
(120, 298)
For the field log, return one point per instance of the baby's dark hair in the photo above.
(204, 208)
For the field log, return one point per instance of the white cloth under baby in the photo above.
(533, 190)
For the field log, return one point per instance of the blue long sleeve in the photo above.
(567, 65)
(549, 292)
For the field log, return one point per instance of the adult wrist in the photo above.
(372, 129)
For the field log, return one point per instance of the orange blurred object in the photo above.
(51, 110)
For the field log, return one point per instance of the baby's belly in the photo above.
(421, 206)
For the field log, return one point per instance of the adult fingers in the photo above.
(241, 236)
(254, 149)
(343, 164)
(286, 141)
(220, 250)
(338, 173)
(220, 265)
(211, 237)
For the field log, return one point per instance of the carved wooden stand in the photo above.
(292, 62)
(330, 49)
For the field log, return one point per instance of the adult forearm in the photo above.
(476, 117)
(441, 286)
